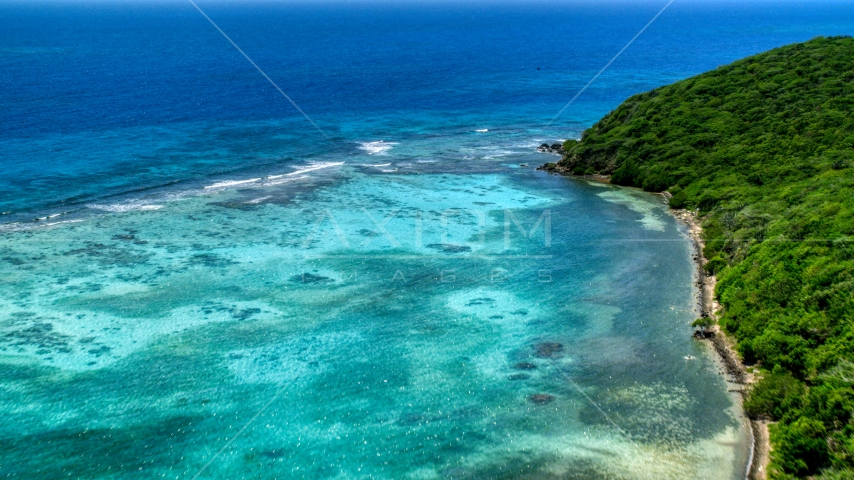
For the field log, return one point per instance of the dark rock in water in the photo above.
(525, 366)
(275, 453)
(549, 349)
(311, 278)
(449, 247)
(480, 301)
(703, 335)
(13, 260)
(541, 398)
(101, 350)
(39, 334)
(210, 260)
(242, 206)
(519, 376)
(553, 148)
(124, 237)
(246, 313)
(110, 255)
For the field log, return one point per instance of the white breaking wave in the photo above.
(279, 181)
(19, 226)
(10, 227)
(232, 183)
(376, 148)
(307, 168)
(493, 152)
(377, 165)
(41, 219)
(61, 223)
(273, 179)
(259, 200)
(482, 130)
(126, 207)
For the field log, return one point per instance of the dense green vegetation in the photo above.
(764, 149)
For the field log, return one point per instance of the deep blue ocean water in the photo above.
(101, 98)
(196, 283)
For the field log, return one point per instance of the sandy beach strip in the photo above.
(723, 345)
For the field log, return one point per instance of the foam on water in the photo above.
(277, 179)
(380, 147)
(232, 183)
(259, 199)
(126, 207)
(282, 180)
(307, 168)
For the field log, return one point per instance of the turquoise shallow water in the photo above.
(195, 284)
(370, 318)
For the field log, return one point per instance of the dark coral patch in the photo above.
(541, 398)
(311, 278)
(210, 260)
(525, 366)
(449, 247)
(549, 349)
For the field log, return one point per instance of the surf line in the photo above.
(300, 170)
(310, 168)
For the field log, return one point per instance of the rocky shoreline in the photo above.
(560, 170)
(724, 346)
(708, 307)
(556, 148)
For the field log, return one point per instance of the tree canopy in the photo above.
(764, 149)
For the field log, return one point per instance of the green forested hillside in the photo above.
(764, 148)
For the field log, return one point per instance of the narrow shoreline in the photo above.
(724, 346)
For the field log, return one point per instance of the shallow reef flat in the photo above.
(428, 324)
